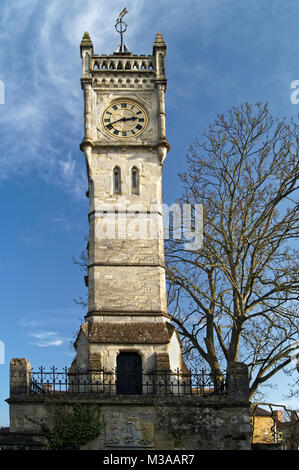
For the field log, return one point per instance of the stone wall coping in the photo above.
(23, 432)
(89, 398)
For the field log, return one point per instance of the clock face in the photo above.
(124, 119)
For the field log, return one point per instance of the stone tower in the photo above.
(125, 144)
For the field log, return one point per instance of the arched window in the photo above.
(116, 180)
(135, 180)
(129, 373)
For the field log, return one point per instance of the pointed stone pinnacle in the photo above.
(86, 41)
(159, 41)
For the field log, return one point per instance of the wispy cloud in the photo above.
(40, 67)
(47, 327)
(61, 224)
(47, 338)
(41, 123)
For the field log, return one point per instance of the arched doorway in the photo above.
(129, 373)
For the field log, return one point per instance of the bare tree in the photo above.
(82, 263)
(235, 298)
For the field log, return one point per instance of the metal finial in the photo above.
(121, 28)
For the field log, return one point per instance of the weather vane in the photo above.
(121, 28)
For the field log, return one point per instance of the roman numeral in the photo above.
(123, 105)
(124, 134)
(115, 107)
(141, 119)
(138, 127)
(116, 132)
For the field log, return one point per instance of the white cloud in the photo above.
(43, 335)
(46, 344)
(45, 339)
(41, 123)
(43, 113)
(61, 224)
(44, 327)
(40, 63)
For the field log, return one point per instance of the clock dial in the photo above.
(124, 119)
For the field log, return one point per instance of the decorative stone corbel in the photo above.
(86, 148)
(163, 148)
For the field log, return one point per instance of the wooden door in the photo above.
(129, 373)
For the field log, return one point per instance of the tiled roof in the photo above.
(258, 411)
(140, 333)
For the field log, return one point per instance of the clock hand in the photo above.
(118, 120)
(123, 119)
(128, 119)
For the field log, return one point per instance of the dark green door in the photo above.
(129, 374)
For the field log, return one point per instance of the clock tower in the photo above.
(127, 326)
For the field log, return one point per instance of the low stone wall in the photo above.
(30, 440)
(152, 422)
(143, 422)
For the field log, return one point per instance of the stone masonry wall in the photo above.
(160, 423)
(121, 288)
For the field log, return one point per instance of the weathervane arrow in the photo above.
(122, 13)
(121, 28)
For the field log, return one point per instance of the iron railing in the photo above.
(115, 382)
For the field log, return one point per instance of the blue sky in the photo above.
(220, 53)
